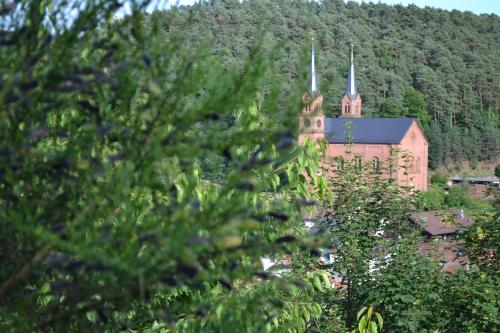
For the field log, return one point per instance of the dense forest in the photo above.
(442, 67)
(146, 176)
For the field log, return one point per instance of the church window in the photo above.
(339, 163)
(376, 165)
(357, 162)
(347, 109)
(307, 122)
(318, 123)
(417, 165)
(357, 109)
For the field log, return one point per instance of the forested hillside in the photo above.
(440, 66)
(144, 180)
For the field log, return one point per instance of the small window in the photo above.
(357, 162)
(376, 165)
(339, 162)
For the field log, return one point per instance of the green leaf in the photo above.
(317, 283)
(380, 320)
(218, 311)
(362, 324)
(360, 312)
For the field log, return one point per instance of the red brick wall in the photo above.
(414, 142)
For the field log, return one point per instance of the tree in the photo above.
(432, 199)
(368, 209)
(389, 109)
(416, 106)
(112, 217)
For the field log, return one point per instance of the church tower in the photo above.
(351, 102)
(312, 119)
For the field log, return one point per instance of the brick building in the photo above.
(373, 139)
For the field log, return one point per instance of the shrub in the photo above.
(432, 199)
(439, 178)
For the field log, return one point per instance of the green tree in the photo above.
(416, 106)
(141, 181)
(389, 109)
(432, 199)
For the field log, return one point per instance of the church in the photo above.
(372, 139)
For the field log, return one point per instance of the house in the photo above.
(442, 224)
(440, 243)
(373, 139)
(479, 187)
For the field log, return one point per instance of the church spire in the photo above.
(313, 84)
(351, 89)
(351, 102)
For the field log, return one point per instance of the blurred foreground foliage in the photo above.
(140, 182)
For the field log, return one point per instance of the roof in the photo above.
(368, 130)
(493, 180)
(442, 223)
(450, 254)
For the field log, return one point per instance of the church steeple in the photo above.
(313, 83)
(312, 120)
(351, 86)
(351, 102)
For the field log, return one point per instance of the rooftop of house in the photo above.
(442, 223)
(486, 180)
(450, 254)
(367, 130)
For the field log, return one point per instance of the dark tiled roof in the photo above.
(449, 253)
(368, 130)
(491, 180)
(442, 223)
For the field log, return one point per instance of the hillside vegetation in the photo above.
(439, 66)
(144, 179)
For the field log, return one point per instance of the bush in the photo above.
(139, 180)
(458, 196)
(497, 170)
(440, 178)
(432, 199)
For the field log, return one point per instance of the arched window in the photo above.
(339, 162)
(376, 165)
(412, 165)
(346, 108)
(357, 109)
(357, 162)
(417, 165)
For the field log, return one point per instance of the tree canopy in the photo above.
(438, 66)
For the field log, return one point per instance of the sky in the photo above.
(475, 6)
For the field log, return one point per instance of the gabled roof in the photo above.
(368, 130)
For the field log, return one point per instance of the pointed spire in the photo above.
(350, 88)
(314, 86)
